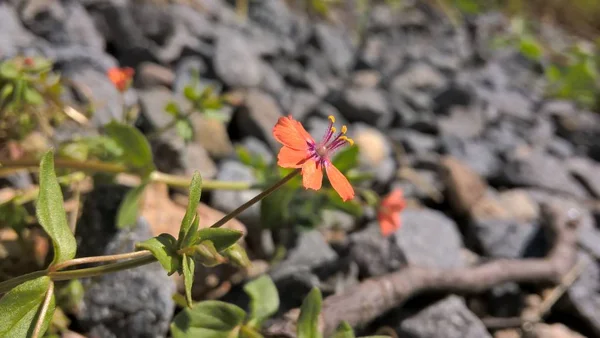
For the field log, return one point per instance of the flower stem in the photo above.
(40, 321)
(97, 259)
(101, 270)
(256, 198)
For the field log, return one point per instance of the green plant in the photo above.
(29, 96)
(220, 319)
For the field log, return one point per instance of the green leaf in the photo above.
(184, 129)
(32, 96)
(244, 155)
(189, 267)
(530, 48)
(128, 210)
(7, 90)
(172, 109)
(237, 256)
(136, 149)
(9, 70)
(222, 238)
(207, 255)
(188, 227)
(208, 319)
(308, 321)
(346, 159)
(344, 331)
(50, 212)
(190, 93)
(164, 248)
(20, 308)
(264, 299)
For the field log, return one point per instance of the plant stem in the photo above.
(97, 259)
(40, 321)
(184, 182)
(11, 283)
(256, 198)
(101, 270)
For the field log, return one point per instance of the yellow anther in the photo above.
(333, 130)
(344, 129)
(347, 139)
(331, 118)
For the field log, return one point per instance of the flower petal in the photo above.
(389, 223)
(312, 175)
(394, 200)
(291, 158)
(291, 133)
(339, 182)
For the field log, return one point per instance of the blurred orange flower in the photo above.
(121, 77)
(388, 214)
(301, 151)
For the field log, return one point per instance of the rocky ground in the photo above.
(481, 148)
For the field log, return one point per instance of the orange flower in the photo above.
(121, 77)
(389, 212)
(301, 151)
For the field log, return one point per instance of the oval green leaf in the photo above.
(32, 96)
(344, 331)
(208, 319)
(128, 210)
(20, 308)
(137, 153)
(308, 321)
(164, 248)
(189, 266)
(264, 299)
(188, 226)
(50, 212)
(222, 238)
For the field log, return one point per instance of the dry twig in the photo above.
(373, 297)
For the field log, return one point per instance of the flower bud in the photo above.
(207, 255)
(237, 256)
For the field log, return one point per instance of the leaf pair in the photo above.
(178, 255)
(219, 319)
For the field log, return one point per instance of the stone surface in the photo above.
(449, 318)
(463, 186)
(235, 61)
(429, 238)
(365, 105)
(257, 117)
(374, 254)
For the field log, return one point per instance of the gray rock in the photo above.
(463, 122)
(367, 105)
(449, 318)
(151, 75)
(229, 200)
(560, 148)
(582, 129)
(336, 47)
(273, 15)
(152, 103)
(429, 238)
(258, 116)
(478, 155)
(176, 43)
(375, 152)
(506, 238)
(129, 303)
(336, 219)
(511, 103)
(587, 172)
(235, 61)
(418, 77)
(414, 141)
(258, 148)
(583, 296)
(301, 104)
(374, 254)
(13, 36)
(536, 169)
(195, 21)
(272, 82)
(311, 251)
